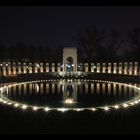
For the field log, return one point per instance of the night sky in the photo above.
(58, 24)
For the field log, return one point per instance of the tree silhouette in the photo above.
(90, 43)
(58, 55)
(112, 44)
(134, 42)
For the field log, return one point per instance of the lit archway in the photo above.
(69, 64)
(69, 60)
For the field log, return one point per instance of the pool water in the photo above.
(70, 94)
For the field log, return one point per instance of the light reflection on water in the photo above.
(70, 94)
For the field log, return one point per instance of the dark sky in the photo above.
(56, 25)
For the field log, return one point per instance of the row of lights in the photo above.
(34, 108)
(46, 109)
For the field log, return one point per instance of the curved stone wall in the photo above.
(14, 68)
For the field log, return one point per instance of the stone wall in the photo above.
(14, 68)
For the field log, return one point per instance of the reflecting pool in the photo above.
(70, 94)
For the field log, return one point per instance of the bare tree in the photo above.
(90, 42)
(134, 42)
(113, 43)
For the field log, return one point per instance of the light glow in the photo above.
(106, 108)
(116, 106)
(24, 107)
(125, 105)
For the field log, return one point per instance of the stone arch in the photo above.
(70, 53)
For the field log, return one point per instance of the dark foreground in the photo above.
(124, 121)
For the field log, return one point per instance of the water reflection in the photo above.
(70, 93)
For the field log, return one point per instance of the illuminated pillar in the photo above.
(120, 90)
(86, 88)
(109, 67)
(86, 67)
(30, 87)
(25, 89)
(98, 67)
(41, 67)
(4, 69)
(6, 65)
(92, 67)
(124, 88)
(47, 88)
(58, 88)
(114, 89)
(109, 89)
(30, 68)
(19, 68)
(120, 68)
(24, 68)
(130, 68)
(14, 68)
(136, 68)
(103, 88)
(19, 88)
(125, 68)
(92, 88)
(115, 68)
(104, 68)
(53, 67)
(14, 91)
(47, 67)
(36, 67)
(80, 67)
(98, 88)
(9, 68)
(58, 67)
(41, 88)
(53, 88)
(1, 68)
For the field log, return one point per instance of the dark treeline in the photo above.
(22, 51)
(92, 44)
(99, 45)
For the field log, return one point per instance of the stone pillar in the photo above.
(14, 68)
(130, 68)
(36, 67)
(120, 68)
(24, 68)
(75, 65)
(92, 67)
(47, 67)
(115, 68)
(81, 67)
(92, 88)
(109, 68)
(98, 67)
(19, 68)
(104, 68)
(86, 67)
(1, 68)
(4, 68)
(58, 67)
(9, 68)
(53, 67)
(125, 68)
(41, 67)
(30, 68)
(86, 88)
(135, 68)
